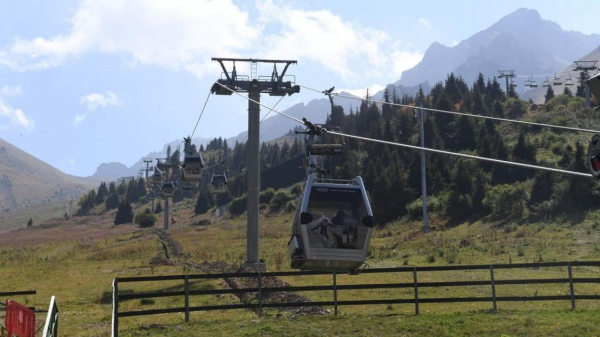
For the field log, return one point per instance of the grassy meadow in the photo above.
(77, 259)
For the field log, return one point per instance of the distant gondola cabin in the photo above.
(218, 183)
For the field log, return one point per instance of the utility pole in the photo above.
(585, 67)
(274, 86)
(164, 167)
(147, 162)
(423, 171)
(508, 74)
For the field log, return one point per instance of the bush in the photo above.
(266, 196)
(297, 189)
(158, 208)
(290, 207)
(280, 199)
(515, 108)
(238, 206)
(145, 219)
(506, 200)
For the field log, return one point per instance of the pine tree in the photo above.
(203, 202)
(549, 94)
(124, 213)
(567, 92)
(122, 189)
(141, 188)
(158, 208)
(112, 200)
(102, 194)
(30, 222)
(132, 191)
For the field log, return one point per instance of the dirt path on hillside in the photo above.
(169, 252)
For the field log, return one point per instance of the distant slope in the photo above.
(522, 41)
(26, 180)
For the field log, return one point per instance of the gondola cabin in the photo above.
(168, 189)
(594, 84)
(192, 168)
(157, 178)
(187, 186)
(333, 225)
(218, 183)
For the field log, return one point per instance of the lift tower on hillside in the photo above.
(585, 67)
(254, 85)
(508, 74)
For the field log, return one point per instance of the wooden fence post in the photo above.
(187, 299)
(115, 314)
(416, 291)
(260, 311)
(571, 286)
(493, 286)
(335, 303)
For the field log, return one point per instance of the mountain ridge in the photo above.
(26, 180)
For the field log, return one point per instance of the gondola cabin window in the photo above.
(337, 216)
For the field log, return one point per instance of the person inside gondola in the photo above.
(322, 224)
(338, 219)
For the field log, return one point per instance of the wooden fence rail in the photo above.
(335, 288)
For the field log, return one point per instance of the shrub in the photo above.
(266, 196)
(280, 200)
(515, 108)
(158, 208)
(506, 200)
(238, 206)
(145, 219)
(290, 207)
(297, 189)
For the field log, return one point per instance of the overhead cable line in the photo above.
(201, 113)
(457, 113)
(413, 147)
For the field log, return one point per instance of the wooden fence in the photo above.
(335, 288)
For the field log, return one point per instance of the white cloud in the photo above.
(8, 91)
(71, 161)
(15, 117)
(425, 23)
(94, 101)
(185, 34)
(175, 34)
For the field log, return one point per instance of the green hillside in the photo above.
(26, 180)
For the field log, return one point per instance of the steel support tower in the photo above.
(585, 67)
(254, 85)
(423, 169)
(508, 74)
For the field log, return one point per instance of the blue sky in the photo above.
(87, 82)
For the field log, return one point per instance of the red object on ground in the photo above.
(20, 320)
